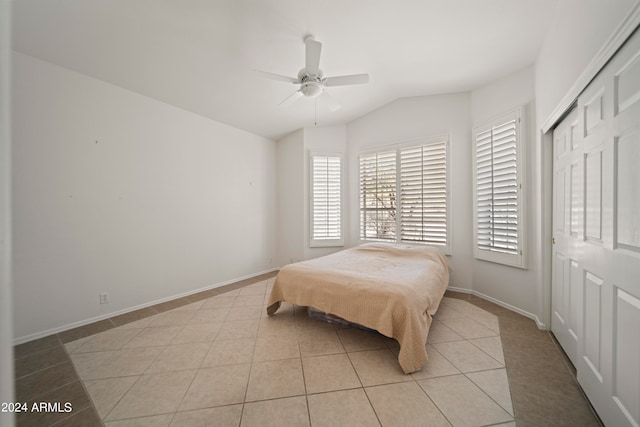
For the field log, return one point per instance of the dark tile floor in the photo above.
(544, 389)
(543, 384)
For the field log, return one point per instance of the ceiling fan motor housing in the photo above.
(303, 75)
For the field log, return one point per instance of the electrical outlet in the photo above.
(104, 298)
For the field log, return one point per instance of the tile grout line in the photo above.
(131, 386)
(92, 405)
(471, 372)
(59, 422)
(460, 371)
(186, 391)
(364, 390)
(253, 353)
(432, 401)
(359, 379)
(304, 383)
(491, 397)
(304, 380)
(41, 370)
(119, 400)
(197, 370)
(470, 341)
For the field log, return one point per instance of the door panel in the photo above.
(577, 198)
(593, 322)
(628, 191)
(568, 199)
(593, 195)
(626, 391)
(596, 277)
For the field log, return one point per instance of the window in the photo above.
(498, 225)
(410, 206)
(326, 200)
(423, 194)
(378, 196)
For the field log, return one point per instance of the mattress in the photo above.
(394, 289)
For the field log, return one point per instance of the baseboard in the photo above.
(31, 337)
(461, 290)
(513, 308)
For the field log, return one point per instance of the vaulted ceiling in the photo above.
(199, 55)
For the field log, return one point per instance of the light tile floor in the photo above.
(222, 361)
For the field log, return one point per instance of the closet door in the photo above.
(597, 259)
(568, 193)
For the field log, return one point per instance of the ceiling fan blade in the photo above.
(333, 104)
(291, 99)
(354, 79)
(273, 76)
(312, 56)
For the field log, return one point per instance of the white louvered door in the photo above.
(596, 264)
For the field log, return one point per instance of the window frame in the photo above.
(398, 147)
(517, 259)
(328, 242)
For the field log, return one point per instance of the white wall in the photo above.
(6, 311)
(510, 285)
(117, 192)
(294, 189)
(412, 118)
(579, 29)
(501, 95)
(290, 184)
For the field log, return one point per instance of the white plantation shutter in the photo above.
(326, 200)
(498, 198)
(378, 196)
(417, 173)
(423, 194)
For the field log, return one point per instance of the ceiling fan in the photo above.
(310, 78)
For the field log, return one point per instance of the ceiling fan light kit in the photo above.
(310, 77)
(311, 89)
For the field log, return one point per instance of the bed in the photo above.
(394, 289)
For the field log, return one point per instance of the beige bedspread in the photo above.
(394, 289)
